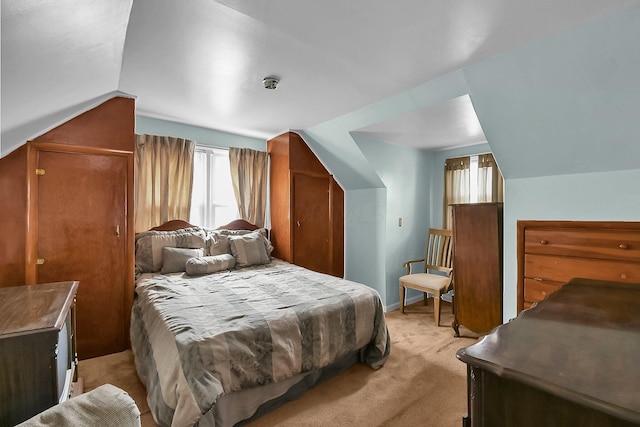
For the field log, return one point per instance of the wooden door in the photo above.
(311, 221)
(82, 220)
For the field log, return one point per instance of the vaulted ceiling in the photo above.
(202, 62)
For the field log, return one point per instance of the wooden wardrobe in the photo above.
(69, 216)
(307, 207)
(477, 266)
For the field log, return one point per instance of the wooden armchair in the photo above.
(438, 258)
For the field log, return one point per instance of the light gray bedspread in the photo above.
(197, 338)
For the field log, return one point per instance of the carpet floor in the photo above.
(421, 384)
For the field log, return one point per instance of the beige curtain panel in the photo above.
(490, 181)
(456, 186)
(249, 178)
(163, 180)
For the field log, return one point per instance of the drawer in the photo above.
(563, 269)
(537, 290)
(580, 242)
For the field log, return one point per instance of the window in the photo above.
(471, 179)
(212, 200)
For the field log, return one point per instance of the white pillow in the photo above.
(249, 249)
(209, 264)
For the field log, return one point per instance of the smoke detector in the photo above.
(270, 82)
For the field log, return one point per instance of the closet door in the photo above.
(311, 225)
(81, 229)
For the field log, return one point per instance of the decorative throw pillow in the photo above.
(216, 243)
(249, 249)
(149, 246)
(174, 260)
(210, 264)
(262, 231)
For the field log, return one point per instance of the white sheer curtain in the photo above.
(456, 186)
(249, 177)
(163, 180)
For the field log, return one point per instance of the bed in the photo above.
(221, 332)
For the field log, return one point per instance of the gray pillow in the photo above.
(210, 264)
(249, 249)
(174, 260)
(262, 231)
(216, 243)
(149, 245)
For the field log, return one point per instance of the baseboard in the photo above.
(396, 306)
(448, 297)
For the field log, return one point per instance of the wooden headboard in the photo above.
(174, 224)
(178, 224)
(550, 253)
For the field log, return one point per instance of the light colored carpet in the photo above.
(422, 383)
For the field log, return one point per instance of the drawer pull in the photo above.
(623, 276)
(543, 242)
(623, 246)
(537, 279)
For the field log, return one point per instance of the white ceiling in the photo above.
(452, 123)
(201, 62)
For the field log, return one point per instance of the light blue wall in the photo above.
(365, 242)
(406, 174)
(202, 136)
(566, 104)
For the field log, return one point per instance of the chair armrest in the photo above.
(407, 264)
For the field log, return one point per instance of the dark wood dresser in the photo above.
(37, 348)
(477, 266)
(572, 359)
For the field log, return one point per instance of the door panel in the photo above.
(81, 236)
(311, 222)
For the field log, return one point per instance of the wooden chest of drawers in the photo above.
(37, 348)
(551, 253)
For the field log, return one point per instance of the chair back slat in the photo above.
(439, 255)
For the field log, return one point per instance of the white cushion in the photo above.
(426, 281)
(210, 264)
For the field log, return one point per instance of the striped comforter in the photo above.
(197, 338)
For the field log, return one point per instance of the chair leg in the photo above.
(402, 298)
(436, 307)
